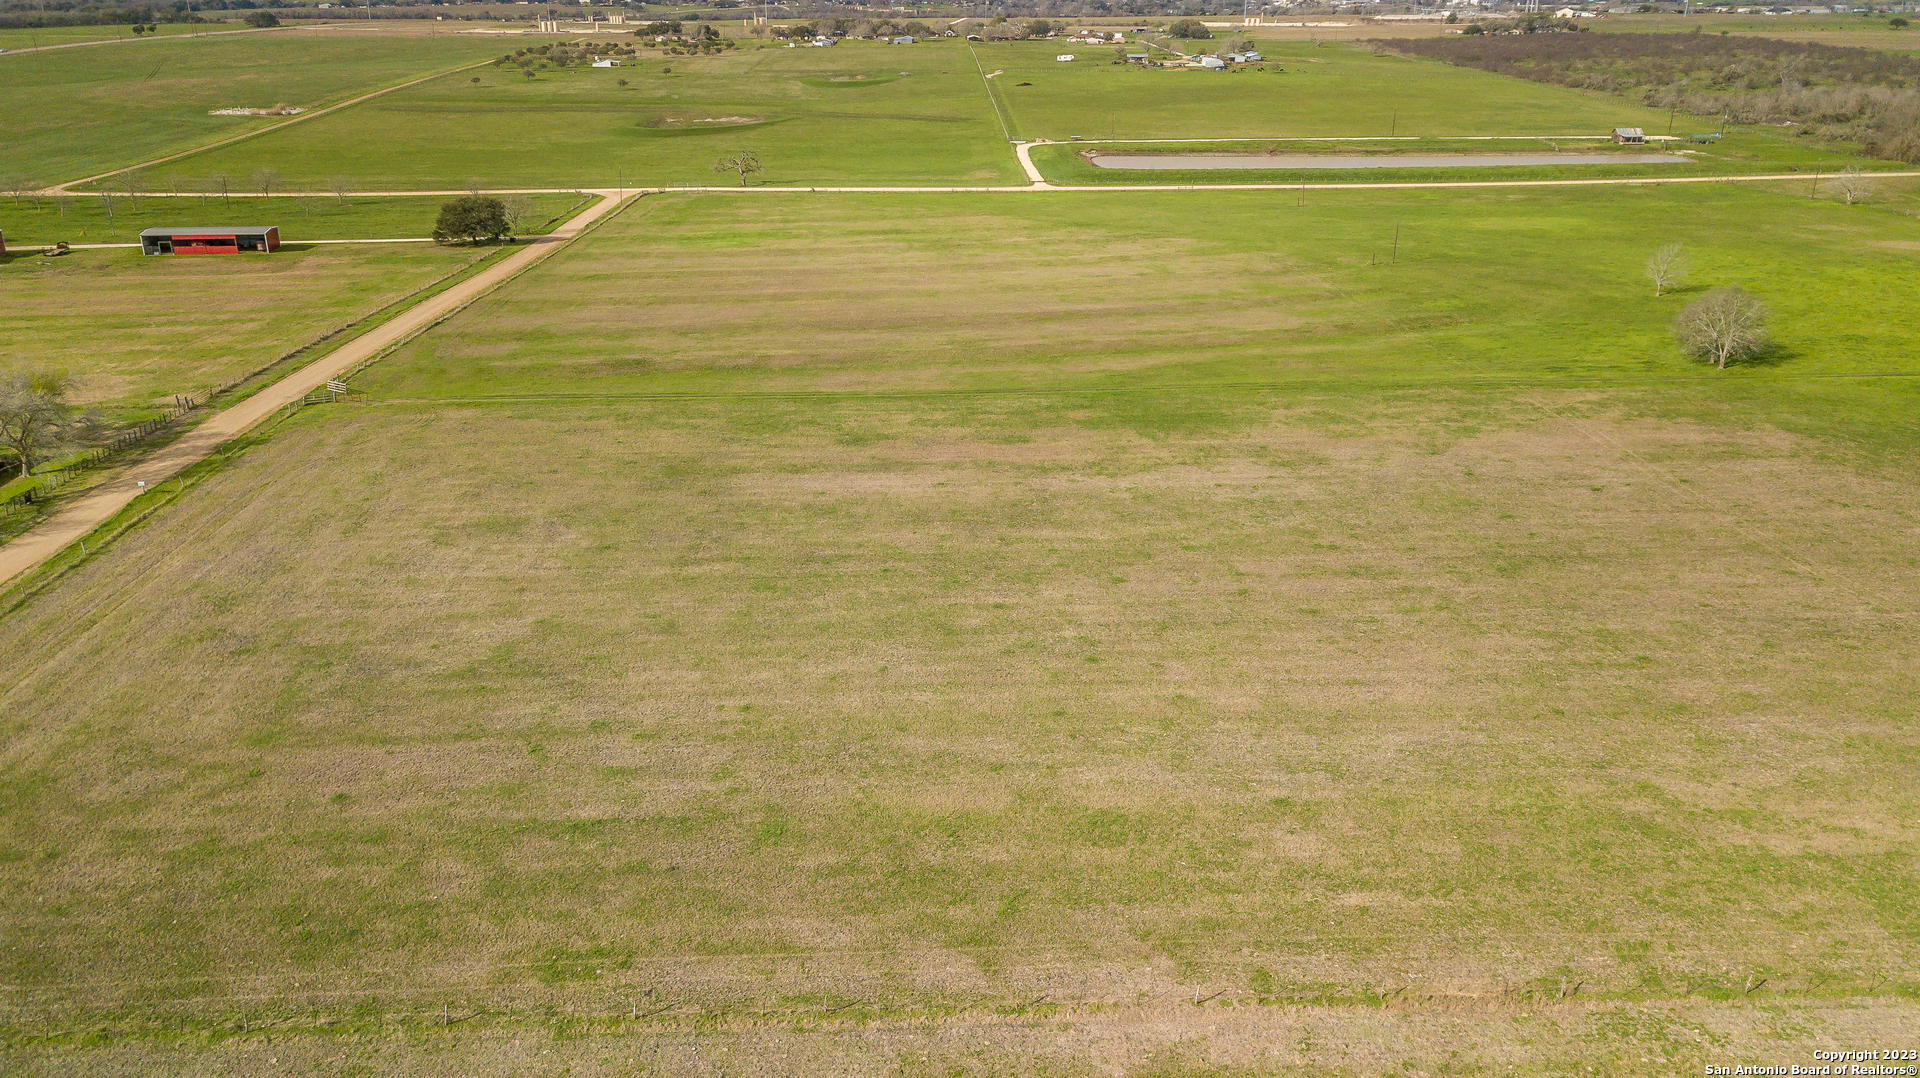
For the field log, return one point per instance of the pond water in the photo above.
(1436, 160)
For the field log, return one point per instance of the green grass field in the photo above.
(39, 37)
(1332, 90)
(848, 116)
(1171, 290)
(157, 327)
(841, 115)
(930, 635)
(87, 218)
(873, 642)
(79, 111)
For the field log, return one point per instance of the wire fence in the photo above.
(70, 468)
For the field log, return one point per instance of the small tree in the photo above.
(1854, 184)
(341, 186)
(471, 218)
(1897, 23)
(1725, 324)
(744, 162)
(265, 179)
(36, 418)
(262, 19)
(221, 182)
(1667, 267)
(518, 209)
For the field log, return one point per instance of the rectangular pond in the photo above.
(1436, 160)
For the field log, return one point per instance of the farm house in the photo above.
(210, 240)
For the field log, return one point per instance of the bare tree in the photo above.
(518, 208)
(745, 162)
(36, 418)
(1854, 184)
(264, 179)
(341, 186)
(222, 182)
(1667, 267)
(1724, 324)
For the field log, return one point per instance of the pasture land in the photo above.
(815, 636)
(872, 114)
(1329, 90)
(775, 293)
(39, 36)
(137, 330)
(31, 221)
(857, 113)
(73, 112)
(786, 710)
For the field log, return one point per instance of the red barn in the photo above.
(224, 240)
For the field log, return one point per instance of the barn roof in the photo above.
(209, 230)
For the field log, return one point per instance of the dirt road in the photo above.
(99, 505)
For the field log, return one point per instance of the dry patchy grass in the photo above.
(905, 704)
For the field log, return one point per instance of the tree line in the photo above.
(1862, 96)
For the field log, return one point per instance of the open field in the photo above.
(1230, 619)
(86, 218)
(864, 113)
(783, 709)
(957, 635)
(1329, 90)
(156, 327)
(840, 115)
(776, 293)
(41, 36)
(877, 126)
(72, 112)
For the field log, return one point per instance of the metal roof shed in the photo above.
(210, 240)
